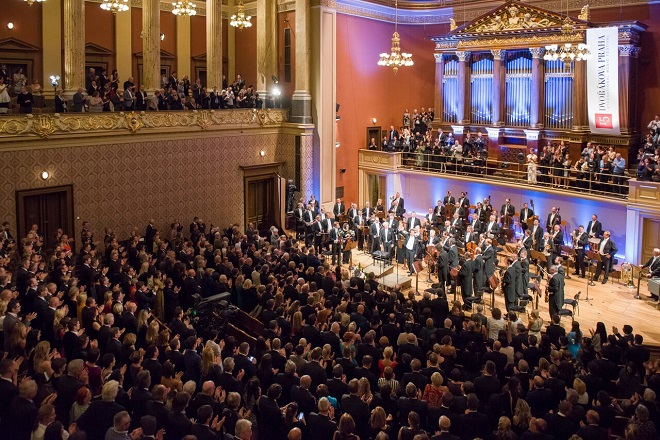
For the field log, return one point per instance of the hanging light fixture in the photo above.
(395, 58)
(240, 20)
(184, 8)
(567, 52)
(115, 6)
(31, 2)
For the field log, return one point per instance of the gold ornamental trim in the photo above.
(49, 125)
(522, 41)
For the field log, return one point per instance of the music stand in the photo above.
(639, 278)
(539, 257)
(570, 252)
(591, 256)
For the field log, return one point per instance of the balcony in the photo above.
(21, 127)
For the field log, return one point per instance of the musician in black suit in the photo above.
(374, 231)
(553, 219)
(595, 228)
(557, 242)
(411, 245)
(317, 230)
(367, 211)
(352, 212)
(509, 284)
(525, 213)
(393, 134)
(490, 258)
(476, 224)
(492, 229)
(339, 208)
(537, 235)
(397, 205)
(335, 240)
(413, 222)
(556, 289)
(463, 201)
(580, 240)
(449, 199)
(606, 249)
(387, 238)
(299, 215)
(507, 210)
(308, 219)
(653, 264)
(439, 209)
(358, 223)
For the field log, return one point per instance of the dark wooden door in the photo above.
(260, 203)
(48, 208)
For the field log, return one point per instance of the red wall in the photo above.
(246, 53)
(100, 29)
(27, 28)
(366, 90)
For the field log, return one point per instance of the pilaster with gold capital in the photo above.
(628, 54)
(214, 43)
(151, 45)
(438, 102)
(538, 88)
(301, 102)
(74, 45)
(499, 78)
(463, 108)
(266, 45)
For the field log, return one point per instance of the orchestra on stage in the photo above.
(468, 248)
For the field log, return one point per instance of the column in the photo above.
(51, 31)
(123, 32)
(538, 88)
(499, 78)
(183, 59)
(463, 111)
(580, 117)
(301, 104)
(151, 45)
(214, 43)
(74, 46)
(627, 70)
(231, 45)
(323, 87)
(267, 45)
(439, 104)
(307, 163)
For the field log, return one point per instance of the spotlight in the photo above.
(277, 91)
(10, 25)
(337, 144)
(373, 121)
(275, 80)
(262, 153)
(162, 37)
(45, 175)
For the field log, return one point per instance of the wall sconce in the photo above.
(45, 175)
(162, 36)
(262, 153)
(10, 25)
(337, 144)
(373, 121)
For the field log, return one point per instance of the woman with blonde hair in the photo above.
(18, 341)
(152, 333)
(389, 360)
(504, 431)
(434, 390)
(581, 388)
(297, 324)
(364, 390)
(82, 299)
(535, 324)
(378, 423)
(522, 416)
(142, 326)
(42, 361)
(210, 369)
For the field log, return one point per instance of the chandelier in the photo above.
(240, 20)
(567, 52)
(31, 2)
(184, 8)
(115, 6)
(395, 58)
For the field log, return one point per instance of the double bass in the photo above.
(530, 220)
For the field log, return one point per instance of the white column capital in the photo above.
(458, 129)
(532, 135)
(493, 132)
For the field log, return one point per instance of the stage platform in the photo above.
(612, 303)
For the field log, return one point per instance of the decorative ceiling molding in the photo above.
(286, 5)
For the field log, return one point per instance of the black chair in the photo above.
(574, 303)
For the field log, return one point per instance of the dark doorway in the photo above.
(48, 208)
(260, 206)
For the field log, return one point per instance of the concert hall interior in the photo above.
(121, 121)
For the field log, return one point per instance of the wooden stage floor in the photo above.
(612, 303)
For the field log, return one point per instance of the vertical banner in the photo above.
(603, 80)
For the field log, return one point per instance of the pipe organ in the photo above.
(490, 73)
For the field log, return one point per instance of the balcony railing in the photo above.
(572, 179)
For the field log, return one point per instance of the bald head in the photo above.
(444, 423)
(208, 387)
(305, 382)
(294, 434)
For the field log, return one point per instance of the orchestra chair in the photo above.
(574, 303)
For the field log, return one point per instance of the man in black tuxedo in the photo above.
(367, 211)
(314, 369)
(525, 213)
(449, 199)
(302, 396)
(606, 249)
(595, 228)
(358, 223)
(473, 424)
(411, 245)
(509, 285)
(8, 388)
(141, 99)
(492, 229)
(397, 205)
(339, 208)
(358, 409)
(582, 239)
(321, 426)
(537, 235)
(557, 242)
(553, 219)
(653, 265)
(413, 221)
(387, 238)
(556, 290)
(393, 134)
(445, 425)
(19, 421)
(508, 210)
